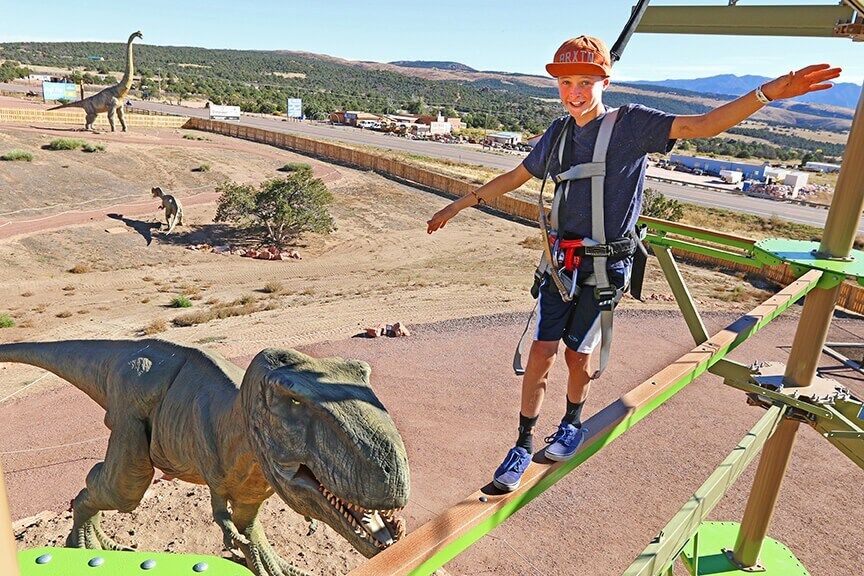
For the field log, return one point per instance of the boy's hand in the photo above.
(441, 217)
(807, 79)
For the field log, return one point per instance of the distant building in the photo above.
(510, 138)
(353, 117)
(713, 166)
(821, 167)
(337, 117)
(796, 180)
(456, 124)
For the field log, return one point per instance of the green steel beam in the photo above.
(789, 20)
(843, 422)
(681, 293)
(656, 240)
(721, 238)
(663, 551)
(434, 544)
(81, 562)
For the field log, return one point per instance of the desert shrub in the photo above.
(284, 208)
(63, 314)
(188, 136)
(295, 167)
(81, 269)
(6, 321)
(241, 307)
(65, 144)
(88, 147)
(656, 205)
(156, 326)
(181, 301)
(13, 155)
(273, 287)
(202, 168)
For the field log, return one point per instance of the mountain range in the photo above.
(843, 94)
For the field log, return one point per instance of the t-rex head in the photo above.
(327, 445)
(134, 35)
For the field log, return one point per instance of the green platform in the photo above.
(714, 537)
(78, 562)
(802, 256)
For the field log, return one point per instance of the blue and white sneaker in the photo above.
(565, 442)
(509, 473)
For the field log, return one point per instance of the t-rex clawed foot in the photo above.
(262, 559)
(89, 534)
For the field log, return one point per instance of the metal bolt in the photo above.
(43, 559)
(148, 564)
(484, 499)
(97, 561)
(200, 567)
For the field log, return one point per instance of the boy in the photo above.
(567, 309)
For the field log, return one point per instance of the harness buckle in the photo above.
(606, 297)
(598, 250)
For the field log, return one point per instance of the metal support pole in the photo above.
(810, 336)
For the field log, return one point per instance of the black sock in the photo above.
(574, 413)
(526, 431)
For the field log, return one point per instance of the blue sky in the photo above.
(504, 35)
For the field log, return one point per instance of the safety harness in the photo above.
(562, 257)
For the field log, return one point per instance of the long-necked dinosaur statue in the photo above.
(310, 430)
(110, 99)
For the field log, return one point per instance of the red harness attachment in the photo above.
(564, 252)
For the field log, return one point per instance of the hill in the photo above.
(433, 64)
(261, 81)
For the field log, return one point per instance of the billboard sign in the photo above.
(218, 112)
(294, 108)
(60, 91)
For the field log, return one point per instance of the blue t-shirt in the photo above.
(638, 131)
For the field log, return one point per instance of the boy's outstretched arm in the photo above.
(496, 187)
(808, 79)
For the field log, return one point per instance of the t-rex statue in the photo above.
(110, 99)
(310, 430)
(172, 206)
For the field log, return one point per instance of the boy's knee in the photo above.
(576, 359)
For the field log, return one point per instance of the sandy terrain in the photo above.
(462, 291)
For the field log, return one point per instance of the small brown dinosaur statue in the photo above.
(172, 206)
(309, 429)
(110, 99)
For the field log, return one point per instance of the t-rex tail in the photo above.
(77, 104)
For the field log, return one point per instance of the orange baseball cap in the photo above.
(581, 55)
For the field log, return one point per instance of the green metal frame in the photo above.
(80, 562)
(803, 255)
(797, 20)
(668, 545)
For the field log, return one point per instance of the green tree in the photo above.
(281, 208)
(656, 205)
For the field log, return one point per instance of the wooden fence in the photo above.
(76, 116)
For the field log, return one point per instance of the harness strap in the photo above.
(606, 295)
(586, 170)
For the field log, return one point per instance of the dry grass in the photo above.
(26, 294)
(241, 307)
(68, 288)
(274, 287)
(63, 314)
(156, 326)
(82, 268)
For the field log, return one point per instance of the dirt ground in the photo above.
(461, 291)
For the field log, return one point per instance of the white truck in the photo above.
(731, 176)
(218, 112)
